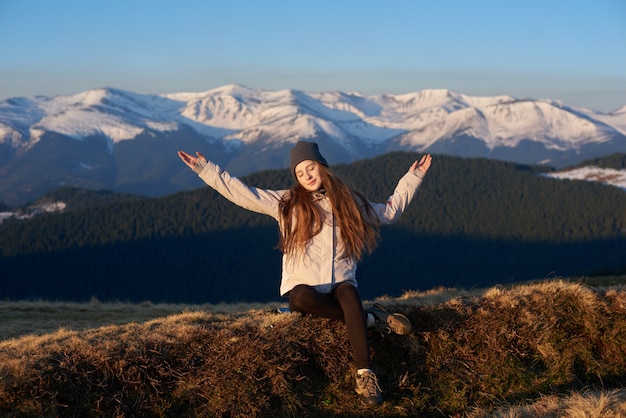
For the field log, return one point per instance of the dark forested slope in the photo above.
(473, 222)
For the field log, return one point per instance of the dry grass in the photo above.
(588, 404)
(513, 352)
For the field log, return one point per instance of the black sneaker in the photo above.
(393, 322)
(368, 389)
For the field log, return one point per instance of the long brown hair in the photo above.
(302, 219)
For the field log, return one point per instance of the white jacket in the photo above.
(321, 266)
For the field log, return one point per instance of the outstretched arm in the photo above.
(233, 189)
(403, 194)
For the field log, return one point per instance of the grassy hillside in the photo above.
(529, 350)
(474, 222)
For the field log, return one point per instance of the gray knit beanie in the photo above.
(302, 151)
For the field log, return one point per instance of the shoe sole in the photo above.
(399, 324)
(370, 402)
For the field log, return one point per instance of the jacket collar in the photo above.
(318, 194)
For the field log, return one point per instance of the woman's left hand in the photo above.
(190, 160)
(422, 165)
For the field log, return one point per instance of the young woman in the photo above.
(325, 229)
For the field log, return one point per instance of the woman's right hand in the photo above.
(422, 165)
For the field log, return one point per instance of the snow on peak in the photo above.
(117, 114)
(34, 210)
(234, 90)
(94, 112)
(441, 98)
(607, 176)
(85, 99)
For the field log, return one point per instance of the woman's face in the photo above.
(308, 175)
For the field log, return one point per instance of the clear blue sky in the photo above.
(569, 50)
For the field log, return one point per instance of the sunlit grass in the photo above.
(18, 318)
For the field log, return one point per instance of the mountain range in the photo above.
(123, 141)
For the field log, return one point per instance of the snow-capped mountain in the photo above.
(124, 141)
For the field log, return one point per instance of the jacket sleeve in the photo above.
(250, 198)
(389, 212)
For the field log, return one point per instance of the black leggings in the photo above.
(342, 304)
